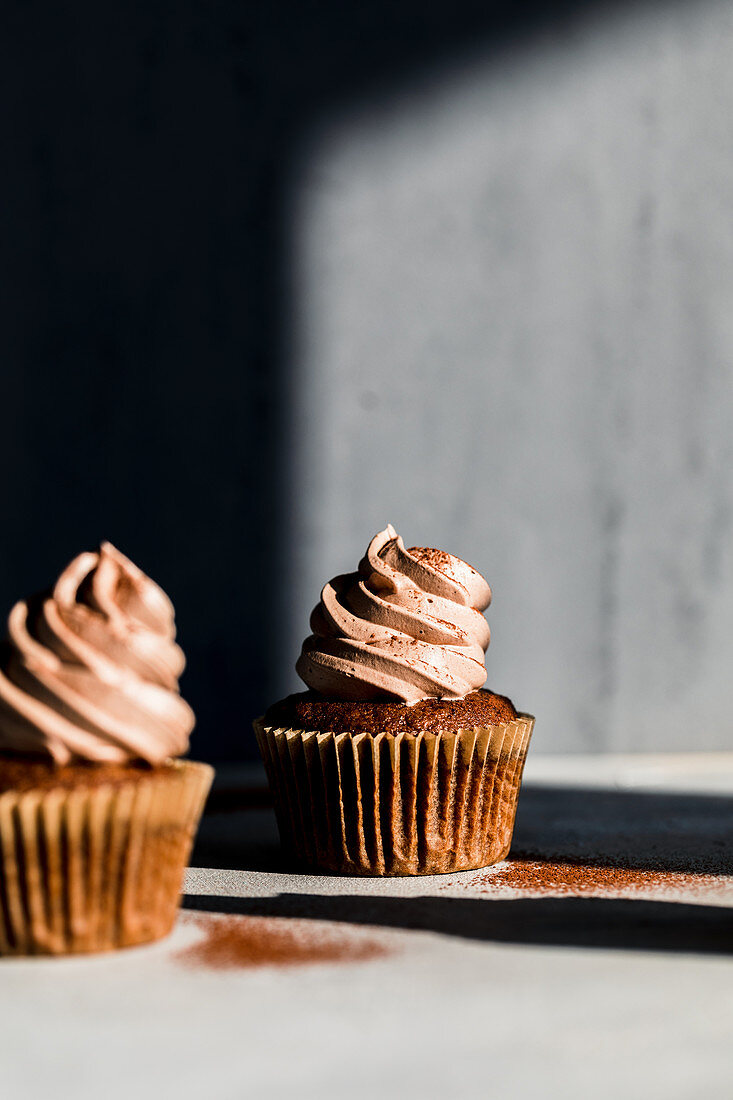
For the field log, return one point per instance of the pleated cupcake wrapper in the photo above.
(396, 804)
(96, 868)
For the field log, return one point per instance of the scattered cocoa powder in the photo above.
(230, 943)
(560, 877)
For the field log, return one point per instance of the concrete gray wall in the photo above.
(514, 341)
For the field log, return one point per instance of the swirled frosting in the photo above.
(407, 625)
(90, 669)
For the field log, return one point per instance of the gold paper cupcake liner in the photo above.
(97, 868)
(396, 804)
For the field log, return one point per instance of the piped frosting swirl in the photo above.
(90, 669)
(407, 625)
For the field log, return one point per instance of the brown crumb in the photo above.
(243, 942)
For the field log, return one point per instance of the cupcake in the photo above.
(396, 761)
(97, 814)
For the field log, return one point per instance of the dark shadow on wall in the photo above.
(150, 152)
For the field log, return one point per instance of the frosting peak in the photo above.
(90, 668)
(407, 625)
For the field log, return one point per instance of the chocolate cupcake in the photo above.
(396, 761)
(97, 814)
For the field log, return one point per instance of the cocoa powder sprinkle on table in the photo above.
(245, 942)
(566, 877)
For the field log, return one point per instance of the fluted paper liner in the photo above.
(97, 868)
(396, 804)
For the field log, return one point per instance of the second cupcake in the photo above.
(396, 762)
(97, 814)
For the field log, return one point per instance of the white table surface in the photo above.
(474, 988)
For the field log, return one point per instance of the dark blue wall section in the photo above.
(148, 150)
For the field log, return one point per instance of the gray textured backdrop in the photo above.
(276, 274)
(514, 341)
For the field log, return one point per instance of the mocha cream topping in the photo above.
(407, 625)
(90, 669)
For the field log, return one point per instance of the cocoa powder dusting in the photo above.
(437, 559)
(558, 877)
(230, 943)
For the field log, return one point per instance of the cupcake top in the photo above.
(309, 711)
(406, 626)
(89, 671)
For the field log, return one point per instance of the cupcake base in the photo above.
(96, 867)
(396, 804)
